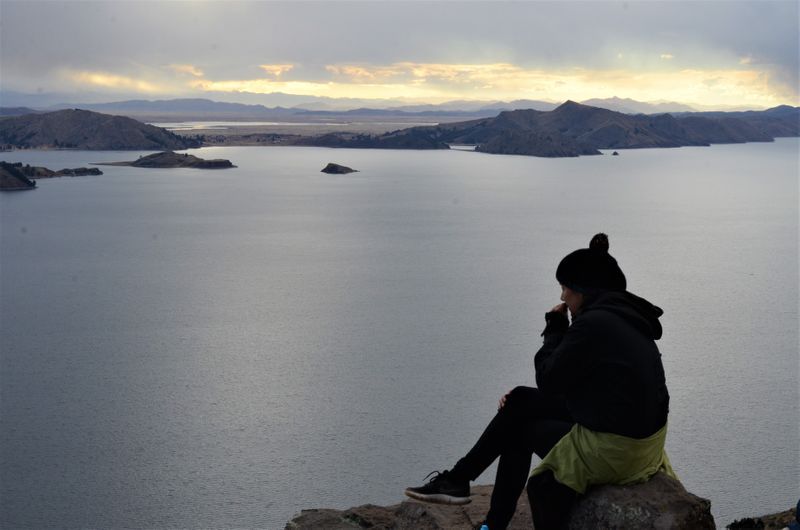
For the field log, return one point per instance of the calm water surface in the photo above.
(187, 348)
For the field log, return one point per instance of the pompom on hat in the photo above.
(590, 270)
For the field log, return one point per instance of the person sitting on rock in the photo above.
(598, 414)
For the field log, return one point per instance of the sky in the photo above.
(715, 54)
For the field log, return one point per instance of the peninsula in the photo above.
(14, 176)
(573, 129)
(170, 159)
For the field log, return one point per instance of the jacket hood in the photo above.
(634, 309)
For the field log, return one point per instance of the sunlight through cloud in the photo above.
(186, 69)
(437, 82)
(276, 69)
(106, 80)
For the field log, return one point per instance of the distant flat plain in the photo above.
(246, 132)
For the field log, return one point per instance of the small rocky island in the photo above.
(336, 169)
(15, 176)
(170, 159)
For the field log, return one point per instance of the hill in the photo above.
(83, 129)
(573, 129)
(783, 120)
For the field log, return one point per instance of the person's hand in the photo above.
(502, 402)
(560, 308)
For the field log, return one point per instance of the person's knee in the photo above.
(521, 399)
(521, 394)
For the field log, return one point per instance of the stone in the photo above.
(660, 503)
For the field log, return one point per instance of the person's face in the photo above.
(573, 299)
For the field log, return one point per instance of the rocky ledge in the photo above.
(170, 159)
(659, 503)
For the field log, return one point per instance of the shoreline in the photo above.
(260, 143)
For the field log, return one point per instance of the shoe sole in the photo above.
(438, 498)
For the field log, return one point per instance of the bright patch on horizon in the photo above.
(106, 80)
(439, 82)
(436, 82)
(667, 56)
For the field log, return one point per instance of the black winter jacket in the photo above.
(607, 365)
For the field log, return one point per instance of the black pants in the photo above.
(530, 422)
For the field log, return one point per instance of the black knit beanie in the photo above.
(590, 270)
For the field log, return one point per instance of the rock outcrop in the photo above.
(169, 159)
(661, 503)
(12, 179)
(411, 514)
(774, 521)
(336, 169)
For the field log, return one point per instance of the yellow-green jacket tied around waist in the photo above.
(583, 458)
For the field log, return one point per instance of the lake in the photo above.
(189, 348)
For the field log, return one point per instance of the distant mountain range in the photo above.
(198, 109)
(631, 106)
(17, 111)
(573, 129)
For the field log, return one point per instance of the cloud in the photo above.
(436, 82)
(186, 69)
(413, 72)
(437, 49)
(108, 80)
(276, 69)
(361, 74)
